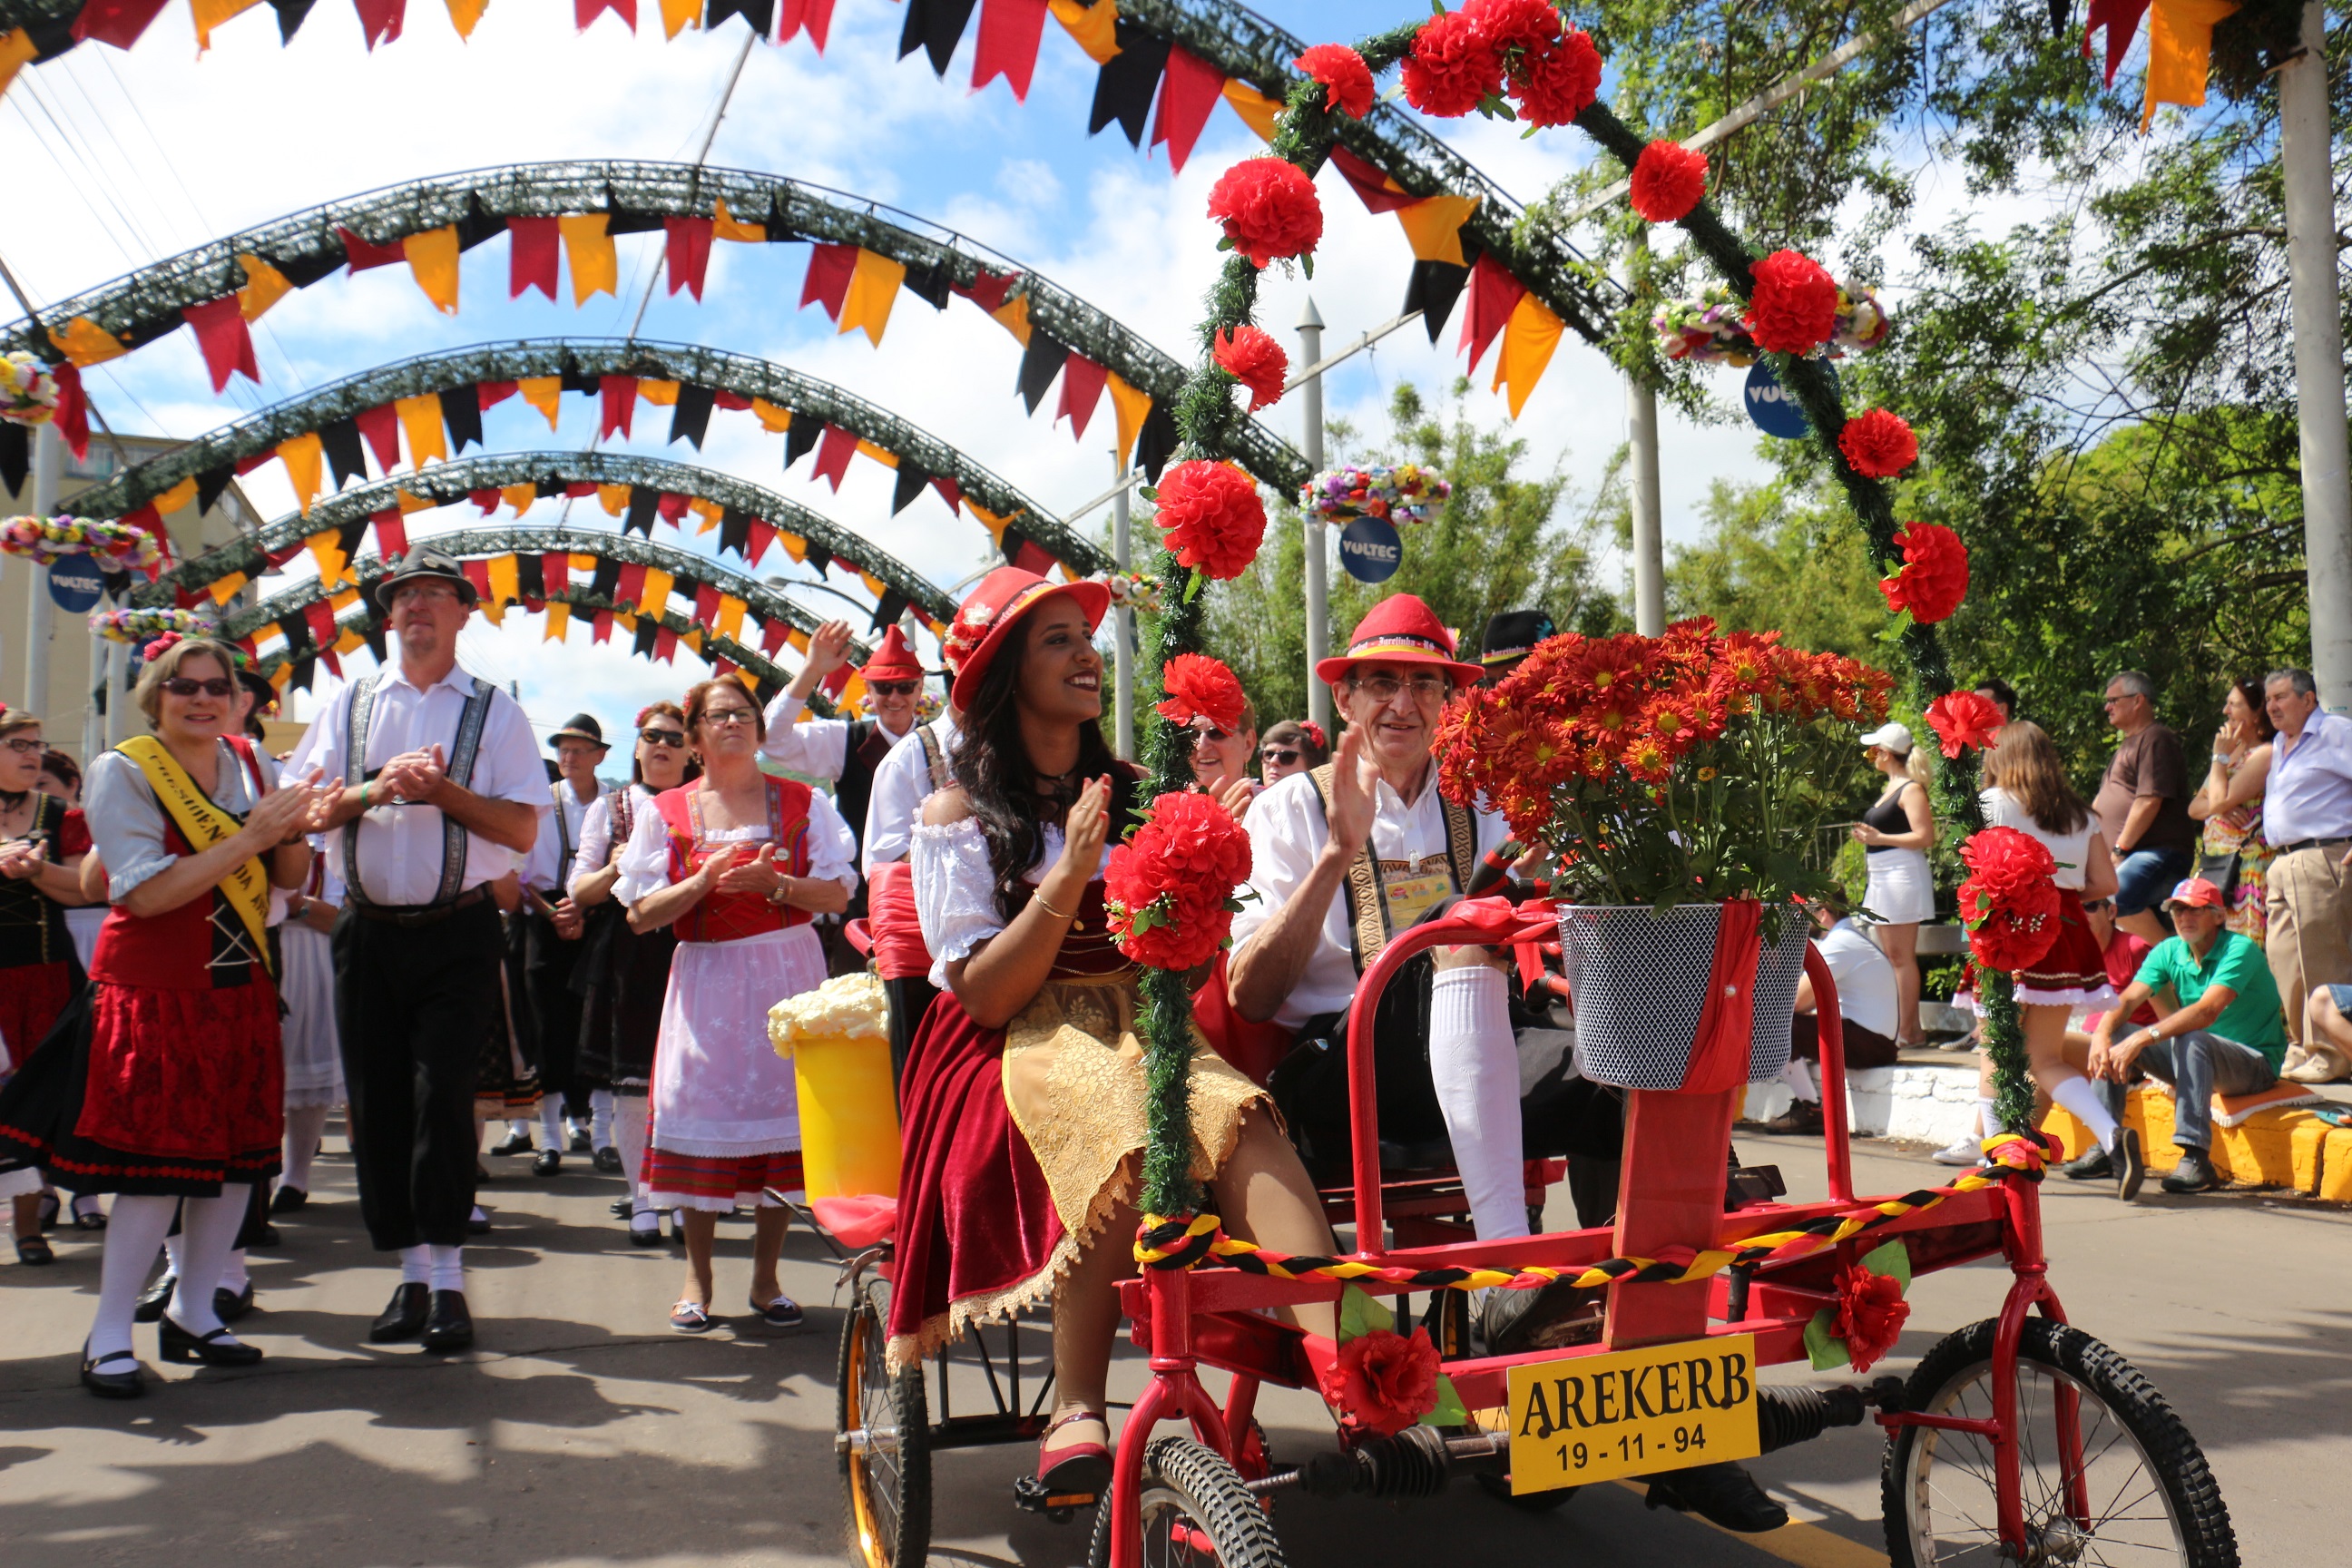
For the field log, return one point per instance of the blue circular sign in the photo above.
(75, 583)
(1370, 550)
(1773, 407)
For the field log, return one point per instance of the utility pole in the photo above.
(2305, 161)
(40, 613)
(1122, 623)
(1318, 587)
(1649, 526)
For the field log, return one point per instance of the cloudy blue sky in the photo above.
(117, 159)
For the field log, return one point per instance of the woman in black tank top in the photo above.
(1896, 831)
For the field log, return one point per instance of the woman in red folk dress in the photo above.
(1024, 1097)
(167, 1082)
(736, 863)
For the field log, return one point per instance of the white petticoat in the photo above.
(718, 1087)
(314, 1058)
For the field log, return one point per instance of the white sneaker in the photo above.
(1967, 1151)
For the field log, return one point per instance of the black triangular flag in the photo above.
(145, 330)
(211, 484)
(1040, 361)
(911, 483)
(1432, 289)
(1156, 442)
(374, 632)
(933, 26)
(478, 226)
(887, 613)
(818, 558)
(768, 691)
(346, 459)
(760, 13)
(53, 35)
(297, 632)
(461, 410)
(15, 455)
(531, 576)
(304, 668)
(575, 380)
(1012, 544)
(643, 502)
(549, 490)
(348, 537)
(1123, 88)
(929, 283)
(800, 436)
(307, 267)
(607, 581)
(691, 415)
(291, 14)
(648, 628)
(735, 530)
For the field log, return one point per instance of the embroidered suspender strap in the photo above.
(359, 726)
(358, 718)
(936, 757)
(1461, 842)
(203, 824)
(1368, 930)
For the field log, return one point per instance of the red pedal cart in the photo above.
(2016, 1440)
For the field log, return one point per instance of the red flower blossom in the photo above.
(2010, 902)
(1668, 181)
(1269, 208)
(1935, 574)
(1878, 444)
(1200, 687)
(1170, 884)
(1215, 519)
(1343, 71)
(1871, 1312)
(1383, 1381)
(1964, 719)
(1514, 27)
(1251, 356)
(1450, 69)
(1794, 307)
(1555, 87)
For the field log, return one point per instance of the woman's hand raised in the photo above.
(1083, 832)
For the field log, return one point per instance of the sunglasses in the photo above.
(894, 688)
(1211, 733)
(184, 686)
(2098, 906)
(662, 737)
(1281, 756)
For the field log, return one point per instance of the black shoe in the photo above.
(1802, 1118)
(289, 1200)
(516, 1144)
(579, 1143)
(35, 1251)
(624, 1208)
(2091, 1165)
(608, 1160)
(215, 1349)
(1546, 1318)
(1722, 1494)
(128, 1384)
(404, 1319)
(478, 1225)
(450, 1327)
(548, 1163)
(2195, 1173)
(2131, 1168)
(649, 1237)
(267, 1235)
(229, 1305)
(155, 1298)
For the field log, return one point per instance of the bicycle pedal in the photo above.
(1058, 1506)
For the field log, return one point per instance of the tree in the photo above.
(1774, 556)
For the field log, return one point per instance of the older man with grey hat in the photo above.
(434, 789)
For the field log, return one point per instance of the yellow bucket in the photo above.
(849, 1116)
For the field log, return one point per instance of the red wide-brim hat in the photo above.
(1400, 630)
(991, 612)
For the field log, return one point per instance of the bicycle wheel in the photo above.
(2149, 1497)
(882, 1433)
(1196, 1514)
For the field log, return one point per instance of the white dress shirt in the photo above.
(547, 870)
(596, 848)
(2308, 793)
(1287, 831)
(818, 749)
(902, 784)
(399, 847)
(126, 821)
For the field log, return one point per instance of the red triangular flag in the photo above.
(666, 646)
(1007, 45)
(247, 465)
(763, 534)
(116, 22)
(363, 256)
(671, 507)
(586, 11)
(620, 396)
(320, 614)
(477, 572)
(486, 500)
(223, 335)
(632, 586)
(839, 680)
(284, 553)
(379, 20)
(771, 636)
(328, 657)
(829, 270)
(734, 400)
(73, 408)
(603, 625)
(489, 395)
(1082, 387)
(1368, 183)
(555, 572)
(706, 604)
(2119, 17)
(391, 532)
(1494, 294)
(381, 428)
(816, 15)
(833, 451)
(581, 489)
(949, 491)
(988, 289)
(720, 668)
(1190, 89)
(685, 246)
(534, 245)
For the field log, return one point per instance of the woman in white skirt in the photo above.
(736, 863)
(1897, 833)
(314, 1057)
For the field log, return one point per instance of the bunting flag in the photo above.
(544, 392)
(1189, 89)
(1432, 227)
(559, 622)
(2180, 52)
(85, 343)
(933, 27)
(433, 261)
(1131, 405)
(618, 398)
(873, 287)
(763, 533)
(603, 625)
(1010, 32)
(1082, 389)
(639, 518)
(391, 533)
(689, 416)
(520, 498)
(359, 254)
(629, 588)
(1258, 111)
(319, 617)
(222, 335)
(302, 456)
(588, 246)
(1494, 294)
(326, 548)
(263, 286)
(583, 12)
(1041, 361)
(225, 588)
(346, 459)
(504, 588)
(533, 243)
(1125, 85)
(554, 573)
(812, 16)
(830, 269)
(463, 14)
(1529, 340)
(655, 596)
(686, 252)
(727, 618)
(420, 420)
(380, 427)
(833, 454)
(1092, 23)
(462, 414)
(706, 604)
(379, 20)
(614, 499)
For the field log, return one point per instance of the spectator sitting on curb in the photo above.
(2227, 1037)
(1866, 993)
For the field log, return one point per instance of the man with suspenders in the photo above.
(433, 789)
(552, 932)
(917, 768)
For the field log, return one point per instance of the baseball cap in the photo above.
(2195, 893)
(1895, 737)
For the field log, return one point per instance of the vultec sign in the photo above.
(1773, 407)
(1370, 550)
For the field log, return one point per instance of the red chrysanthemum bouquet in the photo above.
(2010, 902)
(1664, 770)
(1342, 71)
(1199, 687)
(1964, 719)
(1170, 887)
(1667, 182)
(1793, 307)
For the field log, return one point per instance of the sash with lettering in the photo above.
(203, 824)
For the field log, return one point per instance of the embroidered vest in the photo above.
(730, 917)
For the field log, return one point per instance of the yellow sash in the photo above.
(203, 824)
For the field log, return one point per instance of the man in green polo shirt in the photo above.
(2227, 1034)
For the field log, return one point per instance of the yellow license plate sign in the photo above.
(1578, 1419)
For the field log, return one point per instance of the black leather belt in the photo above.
(2311, 844)
(422, 914)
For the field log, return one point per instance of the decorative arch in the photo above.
(638, 490)
(318, 621)
(685, 383)
(864, 257)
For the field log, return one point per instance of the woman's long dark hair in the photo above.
(2251, 691)
(993, 768)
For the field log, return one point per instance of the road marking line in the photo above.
(1806, 1545)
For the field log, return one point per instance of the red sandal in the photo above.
(1081, 1467)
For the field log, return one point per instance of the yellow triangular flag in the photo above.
(518, 497)
(1132, 405)
(773, 419)
(180, 495)
(87, 343)
(2180, 52)
(711, 513)
(350, 642)
(345, 599)
(692, 638)
(544, 392)
(1014, 317)
(728, 622)
(1257, 111)
(466, 14)
(657, 585)
(1529, 340)
(334, 566)
(1432, 227)
(662, 392)
(211, 13)
(595, 269)
(614, 499)
(872, 290)
(225, 589)
(724, 226)
(408, 503)
(988, 520)
(1094, 26)
(420, 417)
(303, 456)
(583, 567)
(263, 286)
(16, 51)
(433, 262)
(887, 460)
(505, 576)
(795, 545)
(559, 621)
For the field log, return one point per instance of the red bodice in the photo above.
(203, 945)
(730, 917)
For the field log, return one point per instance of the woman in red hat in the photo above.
(1024, 1097)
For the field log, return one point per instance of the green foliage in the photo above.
(1774, 555)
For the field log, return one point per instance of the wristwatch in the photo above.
(776, 893)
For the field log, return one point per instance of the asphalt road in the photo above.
(581, 1431)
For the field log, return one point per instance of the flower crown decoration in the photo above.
(139, 626)
(29, 391)
(1314, 731)
(1402, 493)
(1711, 328)
(48, 540)
(161, 645)
(1133, 591)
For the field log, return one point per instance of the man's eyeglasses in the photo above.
(184, 686)
(1281, 756)
(2098, 906)
(1384, 688)
(662, 737)
(24, 746)
(894, 688)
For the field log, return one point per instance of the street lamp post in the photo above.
(1318, 585)
(2311, 247)
(1122, 623)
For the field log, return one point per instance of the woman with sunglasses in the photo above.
(172, 1086)
(1024, 1095)
(622, 974)
(738, 864)
(1222, 758)
(1293, 746)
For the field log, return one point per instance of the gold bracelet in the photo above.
(1040, 897)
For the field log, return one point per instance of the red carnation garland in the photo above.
(1343, 71)
(1199, 687)
(1214, 518)
(1383, 1381)
(1450, 69)
(1962, 719)
(1933, 577)
(1871, 1312)
(1793, 308)
(1668, 181)
(1251, 356)
(1878, 444)
(1170, 887)
(2010, 902)
(1269, 208)
(1555, 87)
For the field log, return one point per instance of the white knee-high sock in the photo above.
(1475, 1068)
(233, 1275)
(448, 1268)
(2080, 1096)
(172, 1244)
(1988, 1117)
(134, 1234)
(599, 1117)
(629, 1137)
(305, 1125)
(416, 1265)
(550, 1118)
(1799, 1075)
(209, 1227)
